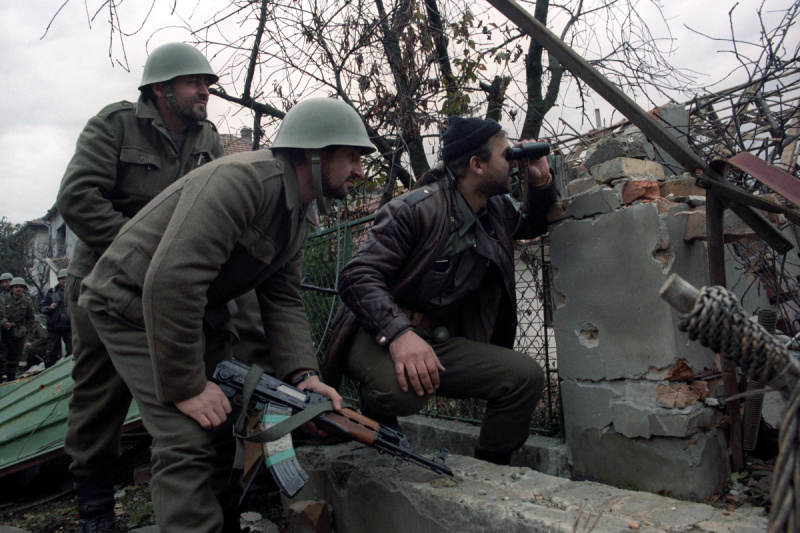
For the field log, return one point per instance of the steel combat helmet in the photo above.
(6, 275)
(317, 123)
(171, 60)
(18, 281)
(62, 273)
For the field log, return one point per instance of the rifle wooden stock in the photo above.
(355, 425)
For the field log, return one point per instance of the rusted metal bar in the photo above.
(715, 211)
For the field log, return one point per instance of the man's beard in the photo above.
(328, 191)
(187, 113)
(494, 187)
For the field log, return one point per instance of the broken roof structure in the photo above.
(33, 417)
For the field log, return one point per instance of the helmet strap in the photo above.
(316, 173)
(170, 95)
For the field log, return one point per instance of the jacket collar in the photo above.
(147, 110)
(291, 189)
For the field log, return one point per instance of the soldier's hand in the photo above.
(314, 384)
(414, 357)
(538, 169)
(53, 305)
(210, 408)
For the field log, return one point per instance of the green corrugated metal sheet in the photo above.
(33, 415)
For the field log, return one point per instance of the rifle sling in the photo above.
(290, 424)
(276, 431)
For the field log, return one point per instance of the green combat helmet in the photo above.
(5, 276)
(62, 273)
(316, 123)
(18, 281)
(171, 60)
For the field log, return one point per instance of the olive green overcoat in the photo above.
(124, 157)
(230, 226)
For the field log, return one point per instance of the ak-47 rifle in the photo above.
(277, 401)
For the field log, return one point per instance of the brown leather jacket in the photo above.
(407, 237)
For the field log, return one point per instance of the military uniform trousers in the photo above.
(12, 349)
(33, 355)
(100, 399)
(54, 339)
(190, 465)
(509, 381)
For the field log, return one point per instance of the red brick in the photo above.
(645, 190)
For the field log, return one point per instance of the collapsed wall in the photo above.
(641, 402)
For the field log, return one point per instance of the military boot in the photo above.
(95, 497)
(498, 458)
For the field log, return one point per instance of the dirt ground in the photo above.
(42, 499)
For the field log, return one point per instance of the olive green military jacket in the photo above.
(124, 157)
(20, 313)
(38, 338)
(230, 226)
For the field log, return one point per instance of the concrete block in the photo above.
(676, 119)
(693, 468)
(631, 408)
(581, 172)
(560, 211)
(633, 146)
(371, 492)
(682, 186)
(580, 185)
(595, 201)
(428, 435)
(733, 227)
(625, 167)
(309, 517)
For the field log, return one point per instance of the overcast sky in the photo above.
(53, 85)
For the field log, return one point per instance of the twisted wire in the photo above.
(718, 322)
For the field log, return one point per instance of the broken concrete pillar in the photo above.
(639, 399)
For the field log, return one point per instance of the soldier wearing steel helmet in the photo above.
(125, 156)
(54, 307)
(17, 320)
(5, 282)
(236, 224)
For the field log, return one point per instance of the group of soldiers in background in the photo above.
(26, 337)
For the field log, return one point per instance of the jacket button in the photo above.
(279, 164)
(141, 158)
(426, 191)
(452, 219)
(382, 340)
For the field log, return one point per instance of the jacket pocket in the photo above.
(128, 298)
(140, 173)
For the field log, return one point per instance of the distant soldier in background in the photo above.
(5, 282)
(54, 307)
(17, 320)
(36, 346)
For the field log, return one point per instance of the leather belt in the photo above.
(418, 319)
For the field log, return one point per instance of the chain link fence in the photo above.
(327, 251)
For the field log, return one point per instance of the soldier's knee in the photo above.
(393, 402)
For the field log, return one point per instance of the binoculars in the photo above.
(527, 151)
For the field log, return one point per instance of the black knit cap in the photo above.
(463, 135)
